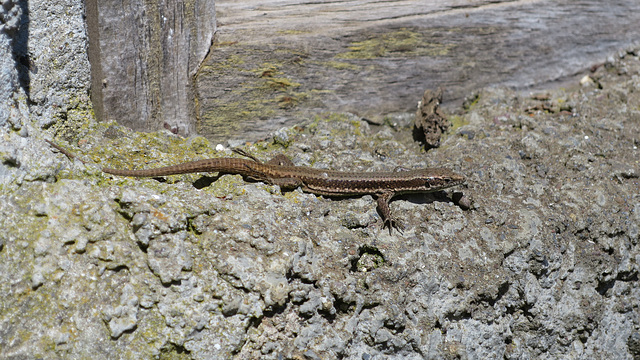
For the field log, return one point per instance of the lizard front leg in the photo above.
(383, 207)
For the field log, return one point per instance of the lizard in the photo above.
(281, 171)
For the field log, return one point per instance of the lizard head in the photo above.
(439, 178)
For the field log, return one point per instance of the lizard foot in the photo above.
(393, 224)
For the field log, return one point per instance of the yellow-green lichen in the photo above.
(266, 69)
(327, 117)
(230, 117)
(200, 145)
(227, 186)
(470, 102)
(264, 92)
(403, 43)
(292, 32)
(134, 151)
(77, 117)
(357, 125)
(341, 65)
(457, 122)
(232, 61)
(281, 83)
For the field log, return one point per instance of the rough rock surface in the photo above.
(543, 265)
(44, 80)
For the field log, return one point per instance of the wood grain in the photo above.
(280, 62)
(143, 56)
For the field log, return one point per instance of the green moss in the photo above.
(403, 43)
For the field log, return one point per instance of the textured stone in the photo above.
(544, 265)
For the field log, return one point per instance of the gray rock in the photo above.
(544, 265)
(123, 317)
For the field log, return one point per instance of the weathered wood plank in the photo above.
(279, 62)
(147, 56)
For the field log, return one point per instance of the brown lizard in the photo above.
(282, 172)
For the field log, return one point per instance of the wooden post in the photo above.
(143, 57)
